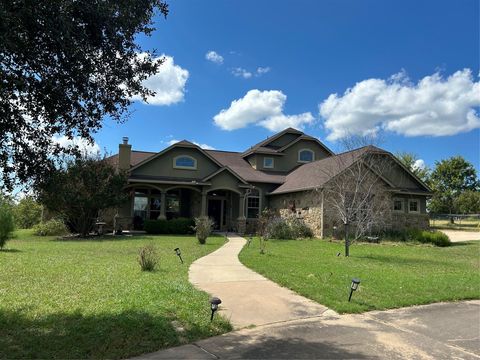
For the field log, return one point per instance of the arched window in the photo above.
(253, 204)
(185, 162)
(306, 155)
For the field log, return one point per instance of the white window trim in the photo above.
(304, 162)
(418, 206)
(273, 163)
(175, 166)
(403, 205)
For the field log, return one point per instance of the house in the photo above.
(283, 172)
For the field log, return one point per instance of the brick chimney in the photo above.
(124, 153)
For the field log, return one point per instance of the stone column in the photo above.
(203, 209)
(241, 220)
(163, 205)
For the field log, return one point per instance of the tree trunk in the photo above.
(347, 242)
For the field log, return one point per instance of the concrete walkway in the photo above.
(247, 297)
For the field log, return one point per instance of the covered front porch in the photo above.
(229, 208)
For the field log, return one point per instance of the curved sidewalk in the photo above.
(247, 297)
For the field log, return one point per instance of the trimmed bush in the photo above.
(180, 226)
(287, 228)
(7, 224)
(148, 258)
(53, 227)
(203, 228)
(434, 237)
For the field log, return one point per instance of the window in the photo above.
(398, 205)
(253, 204)
(184, 162)
(172, 208)
(146, 204)
(413, 206)
(306, 155)
(268, 163)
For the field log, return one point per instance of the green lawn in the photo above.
(89, 299)
(392, 274)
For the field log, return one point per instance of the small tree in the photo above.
(413, 163)
(203, 228)
(27, 213)
(354, 192)
(82, 187)
(6, 222)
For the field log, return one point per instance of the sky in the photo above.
(237, 72)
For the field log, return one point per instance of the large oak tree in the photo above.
(65, 65)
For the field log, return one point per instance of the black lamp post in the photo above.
(179, 254)
(249, 240)
(353, 287)
(214, 302)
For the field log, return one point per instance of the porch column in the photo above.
(241, 221)
(162, 205)
(203, 210)
(241, 206)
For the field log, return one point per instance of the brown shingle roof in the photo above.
(317, 173)
(135, 158)
(236, 163)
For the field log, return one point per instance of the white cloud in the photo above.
(241, 72)
(203, 146)
(419, 164)
(83, 145)
(168, 83)
(214, 57)
(263, 108)
(262, 70)
(247, 74)
(436, 106)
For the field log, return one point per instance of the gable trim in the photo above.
(307, 138)
(230, 171)
(181, 144)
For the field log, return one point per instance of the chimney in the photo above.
(124, 152)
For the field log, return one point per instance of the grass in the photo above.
(392, 274)
(89, 299)
(460, 224)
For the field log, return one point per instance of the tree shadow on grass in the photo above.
(67, 336)
(10, 250)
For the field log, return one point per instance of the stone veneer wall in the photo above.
(309, 208)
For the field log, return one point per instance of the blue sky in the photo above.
(282, 60)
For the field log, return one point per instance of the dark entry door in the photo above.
(215, 212)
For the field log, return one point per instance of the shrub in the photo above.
(287, 228)
(53, 227)
(7, 224)
(203, 228)
(148, 258)
(174, 226)
(27, 213)
(435, 237)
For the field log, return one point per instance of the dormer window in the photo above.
(268, 163)
(185, 162)
(306, 156)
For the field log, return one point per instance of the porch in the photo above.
(229, 208)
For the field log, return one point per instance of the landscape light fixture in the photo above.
(353, 287)
(179, 254)
(249, 240)
(214, 302)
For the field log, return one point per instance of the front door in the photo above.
(215, 212)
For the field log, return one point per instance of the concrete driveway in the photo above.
(459, 236)
(437, 331)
